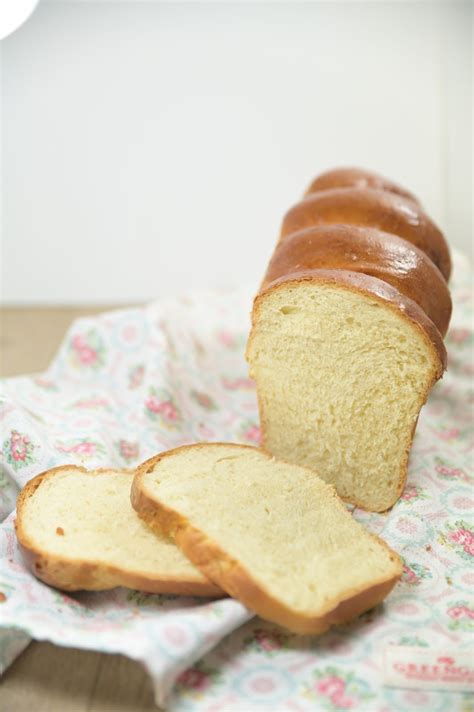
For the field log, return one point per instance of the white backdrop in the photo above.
(152, 148)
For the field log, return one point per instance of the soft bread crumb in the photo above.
(106, 543)
(280, 523)
(341, 378)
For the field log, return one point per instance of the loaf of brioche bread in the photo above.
(346, 339)
(77, 530)
(272, 535)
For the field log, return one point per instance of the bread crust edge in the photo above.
(234, 578)
(69, 574)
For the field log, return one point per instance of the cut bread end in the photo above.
(77, 530)
(343, 364)
(272, 535)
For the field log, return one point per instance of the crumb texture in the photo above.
(341, 378)
(283, 524)
(88, 517)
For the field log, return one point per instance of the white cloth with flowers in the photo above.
(130, 383)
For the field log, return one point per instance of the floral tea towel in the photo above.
(128, 384)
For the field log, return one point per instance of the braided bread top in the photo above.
(372, 252)
(371, 207)
(356, 178)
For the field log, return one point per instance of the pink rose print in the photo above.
(409, 575)
(85, 353)
(250, 432)
(465, 538)
(459, 612)
(462, 616)
(460, 537)
(153, 404)
(18, 450)
(19, 446)
(159, 406)
(234, 384)
(266, 641)
(166, 408)
(87, 350)
(83, 447)
(253, 434)
(449, 472)
(128, 450)
(413, 574)
(334, 688)
(413, 493)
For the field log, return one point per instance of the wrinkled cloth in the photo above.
(130, 383)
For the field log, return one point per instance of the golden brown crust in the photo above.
(372, 252)
(377, 288)
(233, 577)
(70, 574)
(356, 178)
(371, 208)
(389, 296)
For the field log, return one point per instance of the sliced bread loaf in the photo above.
(343, 363)
(77, 530)
(272, 535)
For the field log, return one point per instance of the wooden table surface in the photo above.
(46, 678)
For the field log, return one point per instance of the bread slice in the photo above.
(272, 535)
(343, 363)
(78, 531)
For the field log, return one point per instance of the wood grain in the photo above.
(29, 337)
(46, 678)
